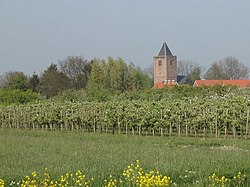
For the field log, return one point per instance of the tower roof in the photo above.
(165, 50)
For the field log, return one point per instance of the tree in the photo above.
(138, 80)
(113, 77)
(195, 74)
(34, 82)
(215, 72)
(17, 96)
(77, 69)
(227, 68)
(53, 81)
(185, 67)
(3, 80)
(97, 87)
(149, 70)
(118, 75)
(233, 69)
(15, 80)
(191, 70)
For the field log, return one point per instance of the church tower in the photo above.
(165, 66)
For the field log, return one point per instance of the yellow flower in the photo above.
(1, 183)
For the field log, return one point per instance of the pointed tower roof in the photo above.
(165, 50)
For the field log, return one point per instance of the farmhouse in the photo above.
(160, 85)
(238, 83)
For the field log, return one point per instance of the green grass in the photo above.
(101, 155)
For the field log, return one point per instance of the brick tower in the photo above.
(165, 66)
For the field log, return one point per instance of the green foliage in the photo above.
(181, 92)
(34, 81)
(71, 95)
(218, 113)
(98, 94)
(17, 96)
(53, 82)
(143, 95)
(195, 74)
(101, 93)
(191, 70)
(77, 70)
(115, 77)
(16, 80)
(188, 91)
(215, 72)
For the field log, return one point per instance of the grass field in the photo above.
(101, 155)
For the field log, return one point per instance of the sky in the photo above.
(34, 34)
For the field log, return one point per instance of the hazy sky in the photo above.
(34, 34)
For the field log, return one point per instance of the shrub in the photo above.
(8, 97)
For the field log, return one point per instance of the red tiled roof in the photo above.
(160, 85)
(239, 83)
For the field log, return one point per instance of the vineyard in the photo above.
(205, 117)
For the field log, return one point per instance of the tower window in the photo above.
(160, 63)
(171, 62)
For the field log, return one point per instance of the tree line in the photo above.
(99, 80)
(225, 69)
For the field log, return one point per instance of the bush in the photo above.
(17, 96)
(72, 95)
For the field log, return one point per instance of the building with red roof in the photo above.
(161, 85)
(238, 83)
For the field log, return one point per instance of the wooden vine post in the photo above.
(126, 127)
(234, 128)
(161, 129)
(9, 120)
(205, 124)
(247, 124)
(133, 130)
(170, 129)
(225, 131)
(61, 116)
(107, 128)
(179, 130)
(216, 125)
(119, 126)
(186, 124)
